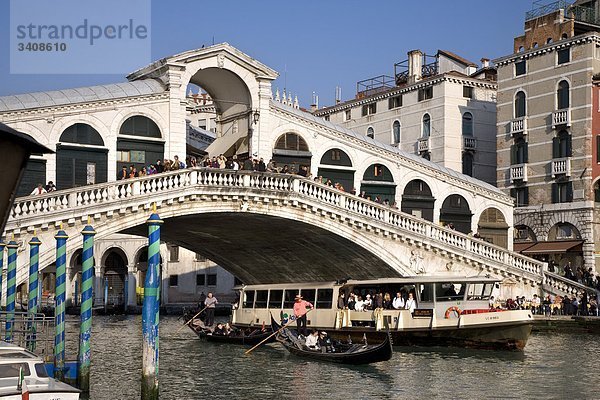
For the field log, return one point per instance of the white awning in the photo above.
(223, 145)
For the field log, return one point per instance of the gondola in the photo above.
(240, 336)
(353, 354)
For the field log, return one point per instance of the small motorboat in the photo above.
(22, 373)
(244, 336)
(341, 353)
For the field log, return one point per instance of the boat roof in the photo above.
(10, 353)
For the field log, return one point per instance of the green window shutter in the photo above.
(554, 193)
(555, 148)
(525, 153)
(513, 154)
(569, 191)
(526, 196)
(569, 146)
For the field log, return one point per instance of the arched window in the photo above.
(81, 134)
(467, 124)
(549, 40)
(562, 95)
(396, 132)
(291, 141)
(138, 125)
(564, 36)
(467, 163)
(520, 104)
(370, 132)
(426, 126)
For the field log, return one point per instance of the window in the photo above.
(261, 299)
(521, 196)
(173, 253)
(449, 291)
(520, 104)
(211, 279)
(467, 163)
(563, 56)
(200, 280)
(426, 292)
(480, 291)
(123, 156)
(200, 257)
(11, 370)
(308, 295)
(520, 68)
(396, 132)
(370, 133)
(291, 141)
(562, 95)
(173, 280)
(561, 145)
(335, 155)
(248, 299)
(40, 370)
(395, 102)
(327, 118)
(426, 93)
(347, 115)
(426, 131)
(324, 298)
(566, 231)
(378, 170)
(468, 92)
(369, 109)
(426, 155)
(519, 152)
(562, 192)
(289, 297)
(139, 125)
(275, 298)
(467, 124)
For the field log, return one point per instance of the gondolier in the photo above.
(210, 303)
(300, 309)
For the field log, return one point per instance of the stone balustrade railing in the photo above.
(27, 210)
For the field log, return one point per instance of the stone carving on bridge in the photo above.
(244, 206)
(416, 262)
(221, 61)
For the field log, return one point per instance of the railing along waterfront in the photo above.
(121, 193)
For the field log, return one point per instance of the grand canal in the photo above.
(553, 366)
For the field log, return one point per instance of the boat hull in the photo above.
(239, 340)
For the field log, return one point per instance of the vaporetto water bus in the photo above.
(449, 311)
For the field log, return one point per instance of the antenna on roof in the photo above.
(338, 94)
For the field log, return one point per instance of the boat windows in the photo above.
(248, 299)
(275, 298)
(480, 291)
(289, 297)
(12, 370)
(261, 299)
(324, 298)
(40, 370)
(449, 291)
(15, 354)
(308, 295)
(426, 292)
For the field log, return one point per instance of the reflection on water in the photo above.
(553, 366)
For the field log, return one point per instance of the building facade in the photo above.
(548, 134)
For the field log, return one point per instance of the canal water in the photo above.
(553, 366)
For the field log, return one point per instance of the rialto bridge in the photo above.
(261, 227)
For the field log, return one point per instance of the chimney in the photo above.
(415, 66)
(485, 62)
(315, 103)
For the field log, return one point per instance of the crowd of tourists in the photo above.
(371, 301)
(576, 304)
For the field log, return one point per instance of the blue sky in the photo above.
(321, 44)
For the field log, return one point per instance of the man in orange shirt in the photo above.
(300, 310)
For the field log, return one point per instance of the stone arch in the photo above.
(492, 227)
(73, 278)
(378, 184)
(114, 272)
(336, 165)
(418, 200)
(62, 123)
(524, 233)
(456, 213)
(143, 111)
(292, 149)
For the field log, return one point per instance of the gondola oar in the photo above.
(187, 323)
(275, 333)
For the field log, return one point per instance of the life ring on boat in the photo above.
(450, 309)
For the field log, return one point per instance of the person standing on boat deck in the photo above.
(398, 302)
(300, 310)
(368, 303)
(411, 304)
(341, 301)
(210, 303)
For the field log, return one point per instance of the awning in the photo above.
(223, 144)
(558, 246)
(520, 246)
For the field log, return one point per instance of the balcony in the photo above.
(422, 145)
(518, 125)
(469, 143)
(561, 118)
(561, 166)
(518, 172)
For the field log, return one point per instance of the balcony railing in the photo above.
(423, 144)
(518, 125)
(469, 143)
(561, 117)
(561, 166)
(518, 172)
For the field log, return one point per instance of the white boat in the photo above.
(449, 311)
(37, 383)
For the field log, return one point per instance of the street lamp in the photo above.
(255, 116)
(15, 149)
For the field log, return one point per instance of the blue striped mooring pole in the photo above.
(150, 312)
(11, 288)
(87, 275)
(59, 309)
(32, 305)
(2, 246)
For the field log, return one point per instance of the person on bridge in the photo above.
(210, 303)
(300, 309)
(39, 189)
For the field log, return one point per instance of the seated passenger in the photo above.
(219, 330)
(312, 340)
(325, 343)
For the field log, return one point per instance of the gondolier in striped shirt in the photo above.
(300, 309)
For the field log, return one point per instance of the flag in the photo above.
(23, 385)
